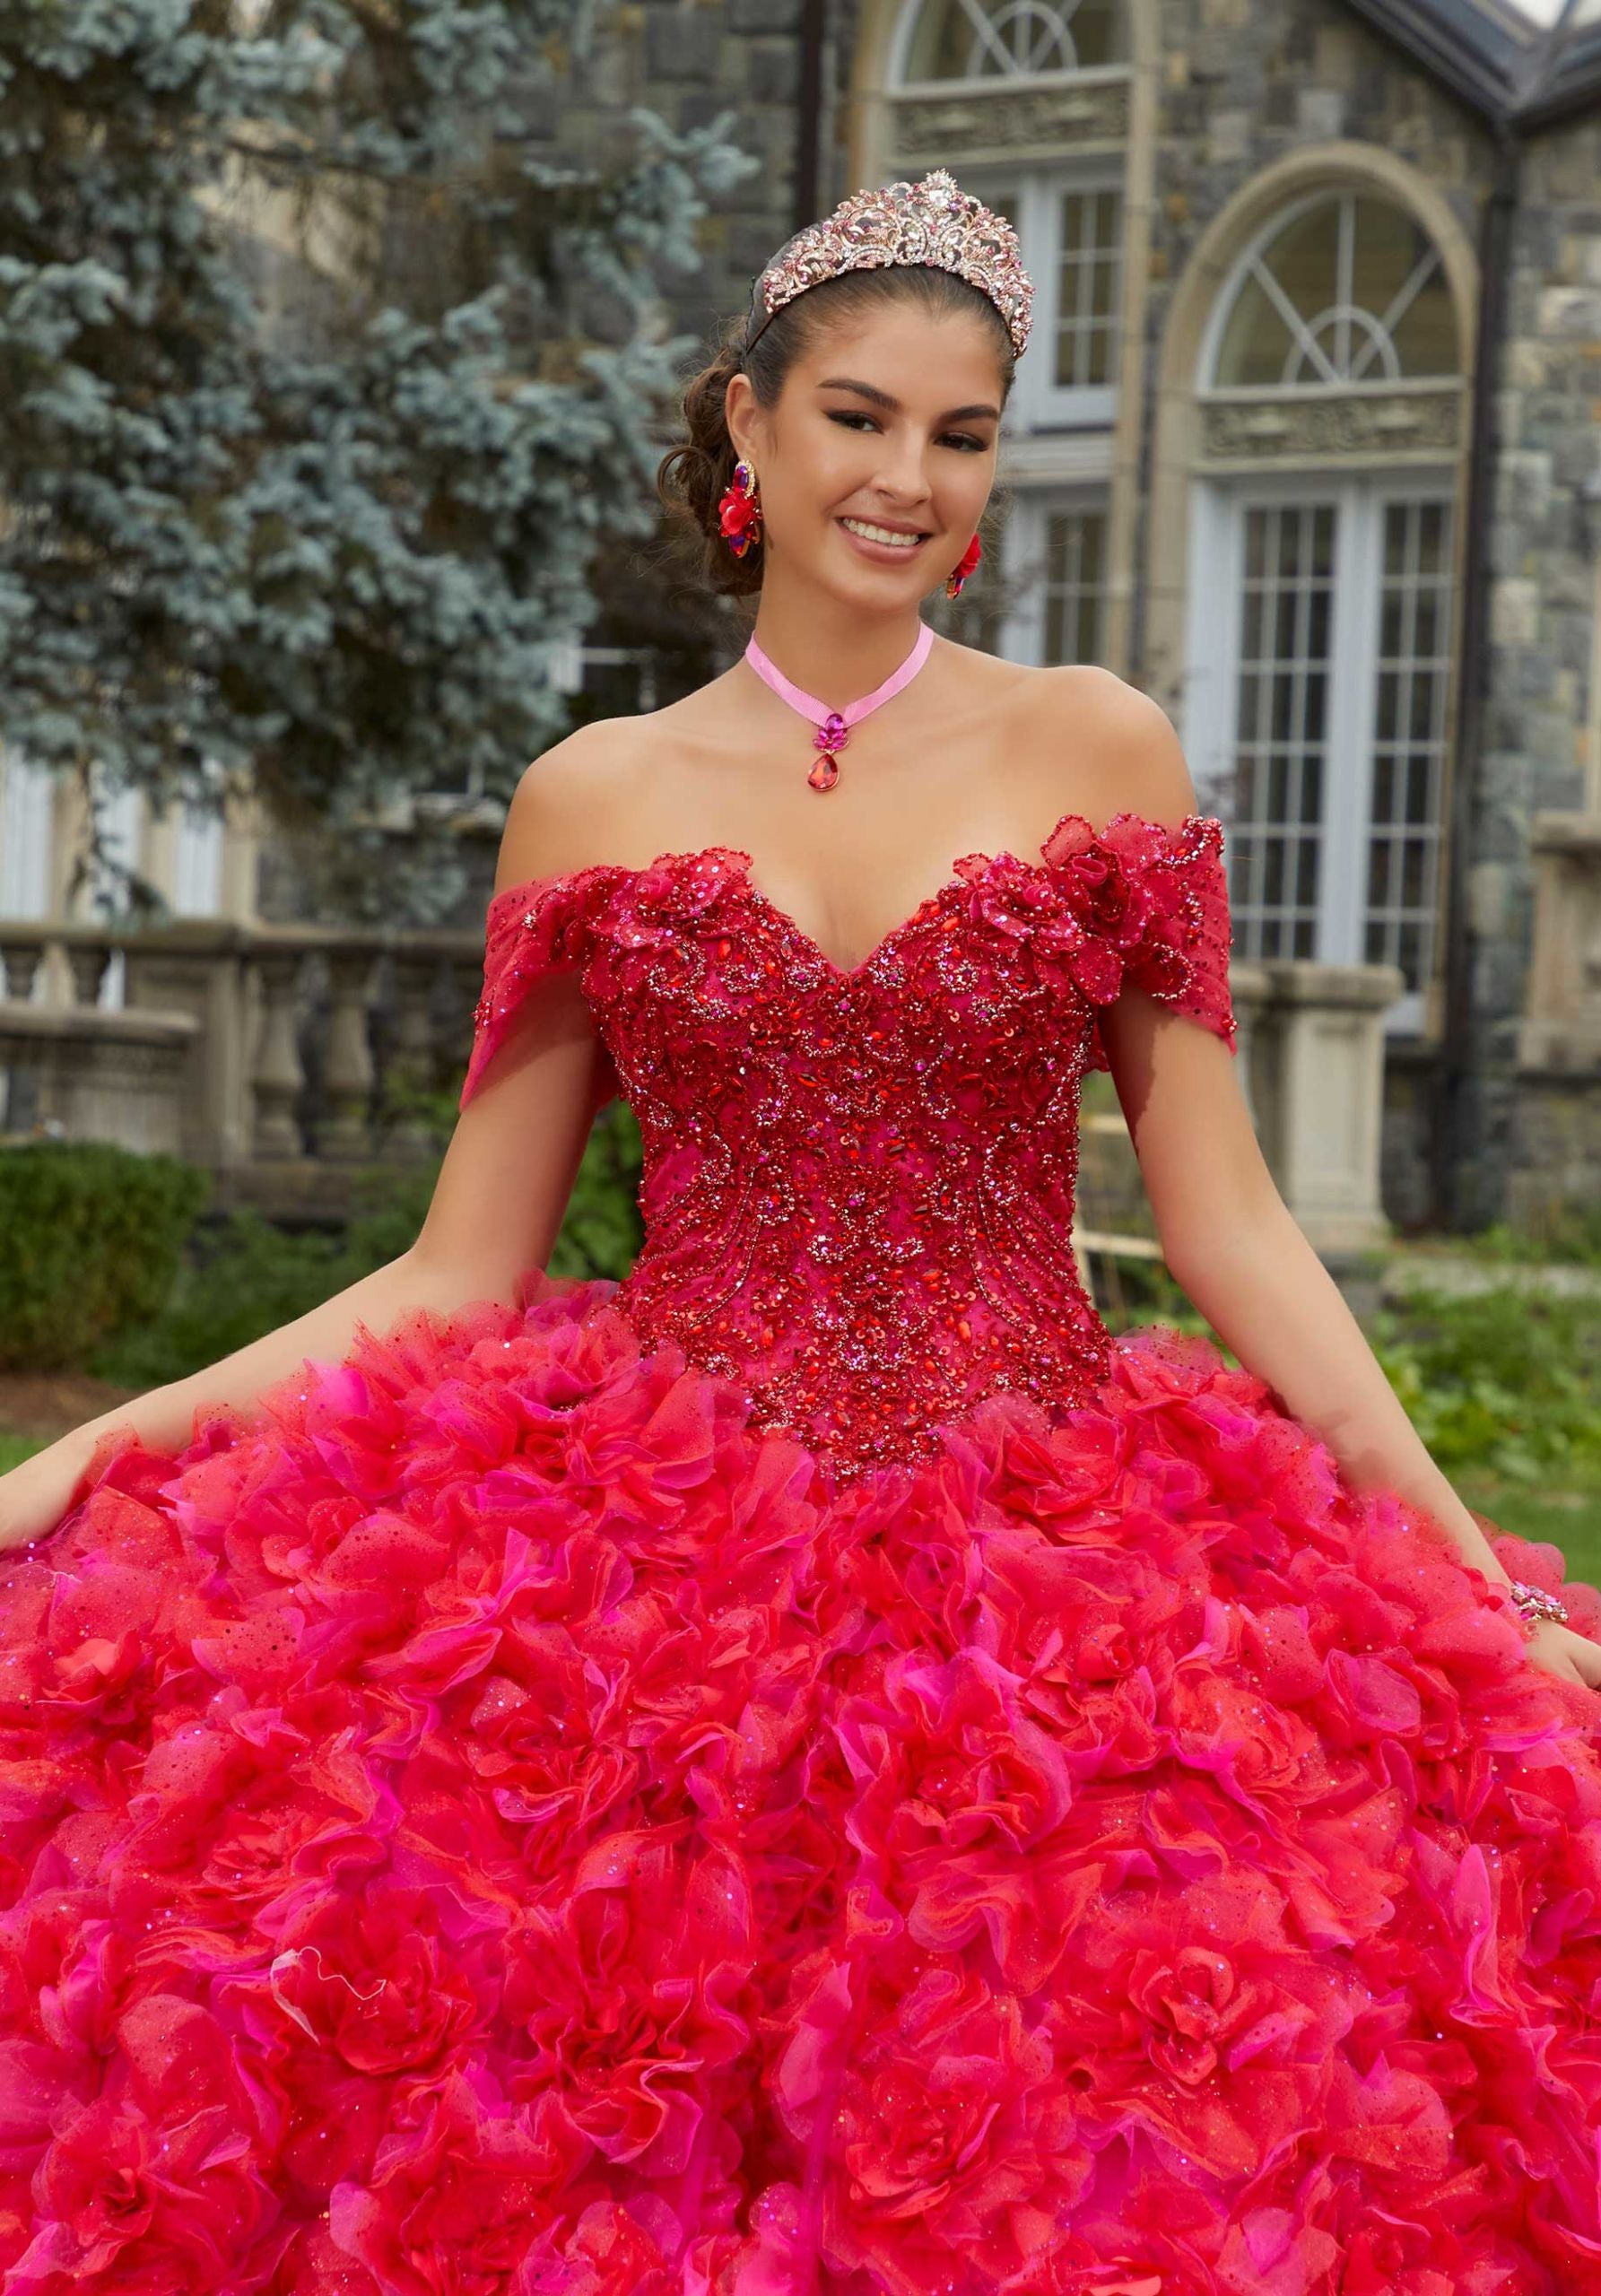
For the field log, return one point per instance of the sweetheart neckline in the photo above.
(844, 974)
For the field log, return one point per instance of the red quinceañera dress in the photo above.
(815, 1768)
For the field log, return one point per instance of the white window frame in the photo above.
(1059, 77)
(1216, 597)
(197, 855)
(26, 835)
(1036, 402)
(1374, 329)
(1021, 634)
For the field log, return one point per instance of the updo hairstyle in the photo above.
(694, 475)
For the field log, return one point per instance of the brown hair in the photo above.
(694, 475)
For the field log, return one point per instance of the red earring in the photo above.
(970, 560)
(739, 511)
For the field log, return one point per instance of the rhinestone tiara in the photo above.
(932, 222)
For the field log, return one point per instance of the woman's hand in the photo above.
(35, 1495)
(1573, 1657)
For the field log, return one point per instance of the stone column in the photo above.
(1318, 1081)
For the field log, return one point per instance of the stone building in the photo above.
(1305, 445)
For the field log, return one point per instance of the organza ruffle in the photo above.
(494, 1823)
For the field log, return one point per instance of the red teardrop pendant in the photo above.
(830, 739)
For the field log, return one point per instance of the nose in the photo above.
(903, 475)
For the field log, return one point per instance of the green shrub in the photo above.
(1569, 1232)
(603, 1231)
(242, 1277)
(1505, 1381)
(90, 1237)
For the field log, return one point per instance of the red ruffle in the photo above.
(498, 1823)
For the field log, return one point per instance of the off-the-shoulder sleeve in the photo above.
(531, 930)
(1182, 954)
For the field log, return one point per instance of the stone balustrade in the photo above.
(1555, 1162)
(1311, 1064)
(236, 1045)
(1561, 1032)
(285, 1050)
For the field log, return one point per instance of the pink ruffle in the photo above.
(496, 1823)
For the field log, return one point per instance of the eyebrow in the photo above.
(884, 399)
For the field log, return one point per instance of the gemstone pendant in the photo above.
(830, 739)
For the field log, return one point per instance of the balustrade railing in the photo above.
(235, 1044)
(289, 1051)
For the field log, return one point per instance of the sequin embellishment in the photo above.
(858, 1182)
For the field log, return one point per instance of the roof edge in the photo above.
(1516, 84)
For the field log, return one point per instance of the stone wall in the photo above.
(1240, 87)
(690, 60)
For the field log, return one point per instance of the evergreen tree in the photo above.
(318, 389)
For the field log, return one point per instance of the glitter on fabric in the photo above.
(859, 1183)
(953, 1804)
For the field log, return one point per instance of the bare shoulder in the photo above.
(1123, 745)
(568, 808)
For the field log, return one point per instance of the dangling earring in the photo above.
(739, 511)
(970, 560)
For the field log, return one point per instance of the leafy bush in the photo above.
(1569, 1232)
(242, 1277)
(603, 1231)
(1506, 1380)
(91, 1239)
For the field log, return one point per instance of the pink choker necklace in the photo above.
(833, 726)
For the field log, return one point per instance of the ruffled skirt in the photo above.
(495, 1823)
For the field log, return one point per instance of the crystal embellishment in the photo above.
(859, 1180)
(932, 222)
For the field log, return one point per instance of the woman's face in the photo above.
(878, 457)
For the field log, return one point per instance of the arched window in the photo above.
(1329, 391)
(1010, 39)
(1345, 291)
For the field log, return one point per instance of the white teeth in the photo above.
(882, 533)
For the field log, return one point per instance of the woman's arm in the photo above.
(1231, 1241)
(1242, 1259)
(496, 1210)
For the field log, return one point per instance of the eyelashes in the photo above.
(961, 440)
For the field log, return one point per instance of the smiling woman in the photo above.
(897, 508)
(815, 1766)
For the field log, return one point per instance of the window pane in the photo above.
(1405, 818)
(1349, 290)
(1089, 237)
(1279, 728)
(1075, 586)
(991, 40)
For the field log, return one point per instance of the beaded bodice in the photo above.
(858, 1183)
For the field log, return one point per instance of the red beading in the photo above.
(859, 1181)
